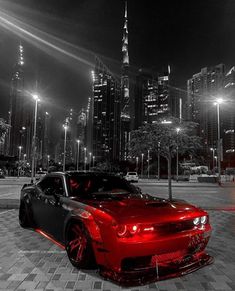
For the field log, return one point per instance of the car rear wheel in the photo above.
(79, 247)
(23, 215)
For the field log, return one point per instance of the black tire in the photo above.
(79, 247)
(23, 215)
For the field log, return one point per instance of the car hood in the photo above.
(145, 210)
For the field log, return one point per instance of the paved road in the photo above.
(30, 262)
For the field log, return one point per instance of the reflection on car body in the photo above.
(104, 221)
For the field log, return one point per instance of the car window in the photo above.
(52, 185)
(84, 186)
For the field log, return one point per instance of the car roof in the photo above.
(83, 174)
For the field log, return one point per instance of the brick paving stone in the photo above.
(17, 277)
(14, 284)
(97, 285)
(42, 285)
(4, 284)
(70, 285)
(220, 286)
(29, 285)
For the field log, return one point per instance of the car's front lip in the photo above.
(159, 272)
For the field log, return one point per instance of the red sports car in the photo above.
(103, 220)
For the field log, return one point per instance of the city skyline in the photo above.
(152, 43)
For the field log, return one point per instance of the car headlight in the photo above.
(203, 220)
(196, 221)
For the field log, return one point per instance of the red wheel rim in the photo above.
(77, 244)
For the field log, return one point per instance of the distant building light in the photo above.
(166, 122)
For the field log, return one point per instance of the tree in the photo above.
(3, 129)
(164, 138)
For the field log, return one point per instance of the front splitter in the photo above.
(161, 272)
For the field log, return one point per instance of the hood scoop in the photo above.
(156, 203)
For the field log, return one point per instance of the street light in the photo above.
(36, 98)
(217, 103)
(78, 141)
(177, 155)
(137, 163)
(158, 161)
(84, 159)
(148, 164)
(213, 157)
(93, 158)
(90, 158)
(65, 126)
(48, 160)
(216, 161)
(142, 165)
(18, 174)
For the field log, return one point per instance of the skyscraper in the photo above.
(203, 88)
(152, 98)
(106, 114)
(146, 98)
(17, 113)
(125, 93)
(228, 113)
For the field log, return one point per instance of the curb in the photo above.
(9, 204)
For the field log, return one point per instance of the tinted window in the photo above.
(83, 186)
(50, 185)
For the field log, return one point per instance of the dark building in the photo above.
(153, 98)
(19, 113)
(203, 89)
(228, 115)
(106, 114)
(146, 99)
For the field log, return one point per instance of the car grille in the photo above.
(173, 227)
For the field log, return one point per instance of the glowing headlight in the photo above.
(203, 220)
(196, 221)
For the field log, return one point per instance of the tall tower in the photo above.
(125, 98)
(16, 112)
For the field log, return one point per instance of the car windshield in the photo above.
(103, 186)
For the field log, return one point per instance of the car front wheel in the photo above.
(79, 247)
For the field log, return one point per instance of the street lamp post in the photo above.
(177, 155)
(148, 164)
(36, 98)
(213, 158)
(217, 103)
(78, 141)
(65, 137)
(48, 161)
(90, 158)
(84, 159)
(137, 163)
(158, 161)
(142, 165)
(93, 158)
(18, 172)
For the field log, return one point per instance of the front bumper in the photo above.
(161, 271)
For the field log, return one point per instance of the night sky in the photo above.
(188, 35)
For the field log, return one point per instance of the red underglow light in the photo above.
(50, 238)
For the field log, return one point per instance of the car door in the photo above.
(38, 201)
(55, 212)
(49, 210)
